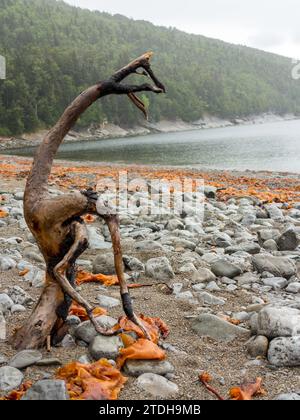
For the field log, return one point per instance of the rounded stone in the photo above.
(10, 378)
(159, 269)
(139, 367)
(285, 352)
(86, 331)
(25, 358)
(47, 390)
(104, 264)
(258, 346)
(223, 268)
(157, 385)
(288, 397)
(270, 245)
(105, 347)
(108, 302)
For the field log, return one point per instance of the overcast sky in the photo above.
(271, 25)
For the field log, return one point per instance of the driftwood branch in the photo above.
(57, 225)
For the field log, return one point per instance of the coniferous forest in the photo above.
(54, 51)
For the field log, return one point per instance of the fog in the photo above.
(266, 24)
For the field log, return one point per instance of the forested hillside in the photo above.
(54, 51)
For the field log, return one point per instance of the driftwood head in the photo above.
(142, 67)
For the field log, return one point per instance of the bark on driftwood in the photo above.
(57, 225)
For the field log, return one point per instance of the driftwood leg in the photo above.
(60, 272)
(113, 225)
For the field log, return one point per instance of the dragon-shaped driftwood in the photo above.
(57, 223)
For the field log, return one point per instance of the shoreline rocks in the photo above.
(218, 329)
(236, 262)
(278, 266)
(25, 358)
(47, 390)
(285, 352)
(10, 378)
(159, 269)
(276, 322)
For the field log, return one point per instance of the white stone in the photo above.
(277, 283)
(278, 322)
(157, 385)
(108, 302)
(2, 327)
(5, 303)
(10, 378)
(159, 269)
(285, 352)
(208, 299)
(293, 288)
(6, 263)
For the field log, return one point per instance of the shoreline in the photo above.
(151, 167)
(111, 131)
(267, 186)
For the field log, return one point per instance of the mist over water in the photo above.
(272, 146)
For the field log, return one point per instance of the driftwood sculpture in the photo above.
(58, 227)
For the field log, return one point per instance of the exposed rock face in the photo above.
(6, 263)
(277, 283)
(209, 299)
(2, 327)
(19, 296)
(108, 302)
(203, 275)
(5, 303)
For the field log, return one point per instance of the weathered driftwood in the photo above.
(57, 225)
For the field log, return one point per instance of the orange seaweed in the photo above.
(79, 311)
(3, 214)
(24, 272)
(127, 339)
(205, 377)
(141, 350)
(155, 326)
(89, 218)
(247, 390)
(230, 320)
(97, 381)
(17, 394)
(85, 277)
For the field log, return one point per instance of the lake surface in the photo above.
(271, 146)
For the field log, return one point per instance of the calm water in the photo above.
(272, 146)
